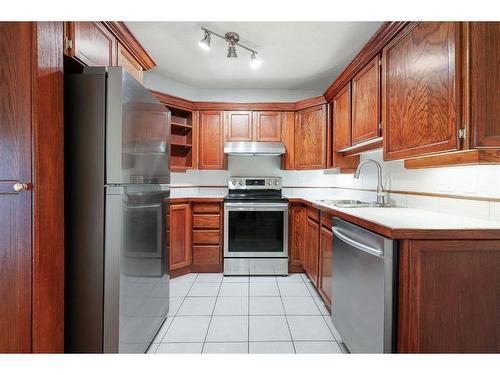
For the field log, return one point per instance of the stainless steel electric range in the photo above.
(255, 227)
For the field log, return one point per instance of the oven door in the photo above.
(256, 230)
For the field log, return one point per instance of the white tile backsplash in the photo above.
(481, 181)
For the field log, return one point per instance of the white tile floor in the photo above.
(210, 313)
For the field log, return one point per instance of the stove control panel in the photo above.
(254, 183)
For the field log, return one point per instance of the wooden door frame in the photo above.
(47, 311)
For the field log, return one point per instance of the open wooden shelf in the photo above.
(467, 157)
(177, 144)
(180, 125)
(181, 139)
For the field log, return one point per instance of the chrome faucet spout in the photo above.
(381, 194)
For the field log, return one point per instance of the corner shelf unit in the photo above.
(182, 135)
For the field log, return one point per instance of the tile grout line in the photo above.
(211, 316)
(286, 318)
(322, 316)
(173, 316)
(248, 316)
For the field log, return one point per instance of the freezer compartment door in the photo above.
(136, 277)
(137, 133)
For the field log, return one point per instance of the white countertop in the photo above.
(394, 217)
(409, 218)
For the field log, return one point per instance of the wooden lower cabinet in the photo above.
(312, 250)
(195, 233)
(207, 237)
(297, 238)
(179, 256)
(448, 296)
(325, 265)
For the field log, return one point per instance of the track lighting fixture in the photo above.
(205, 42)
(254, 61)
(232, 39)
(231, 51)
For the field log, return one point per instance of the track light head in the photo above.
(231, 51)
(205, 42)
(255, 62)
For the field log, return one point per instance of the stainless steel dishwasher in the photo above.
(363, 297)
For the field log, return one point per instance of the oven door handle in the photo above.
(256, 206)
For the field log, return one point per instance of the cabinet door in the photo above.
(325, 264)
(312, 249)
(342, 118)
(238, 126)
(267, 126)
(485, 83)
(130, 64)
(211, 140)
(444, 286)
(366, 103)
(297, 238)
(93, 44)
(310, 138)
(421, 90)
(180, 236)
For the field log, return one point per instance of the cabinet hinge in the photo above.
(380, 124)
(462, 133)
(380, 61)
(69, 43)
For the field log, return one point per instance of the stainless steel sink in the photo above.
(347, 203)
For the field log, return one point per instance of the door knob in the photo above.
(18, 186)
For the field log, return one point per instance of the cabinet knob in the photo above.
(18, 186)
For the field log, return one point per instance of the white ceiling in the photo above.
(295, 55)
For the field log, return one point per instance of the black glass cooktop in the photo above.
(263, 196)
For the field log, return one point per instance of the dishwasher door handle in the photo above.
(357, 245)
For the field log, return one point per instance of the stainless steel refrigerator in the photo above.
(117, 193)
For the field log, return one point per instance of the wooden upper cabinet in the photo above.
(310, 138)
(342, 118)
(129, 63)
(238, 126)
(211, 140)
(180, 236)
(485, 84)
(267, 126)
(421, 90)
(92, 43)
(288, 139)
(366, 103)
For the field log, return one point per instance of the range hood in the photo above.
(254, 148)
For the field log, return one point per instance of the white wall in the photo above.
(166, 85)
(474, 181)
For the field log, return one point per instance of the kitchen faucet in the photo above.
(381, 194)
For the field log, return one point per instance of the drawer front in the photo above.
(206, 208)
(313, 214)
(207, 237)
(326, 220)
(206, 255)
(206, 221)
